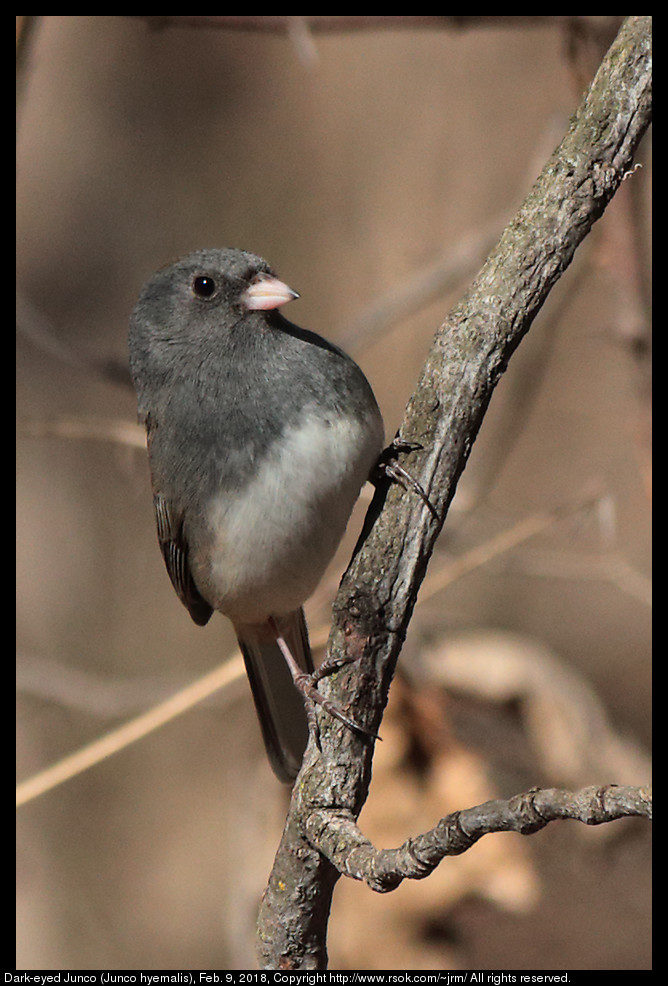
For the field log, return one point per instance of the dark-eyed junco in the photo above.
(260, 436)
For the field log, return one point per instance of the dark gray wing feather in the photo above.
(174, 547)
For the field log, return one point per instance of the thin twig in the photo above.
(116, 430)
(129, 732)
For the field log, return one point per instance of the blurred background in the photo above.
(373, 162)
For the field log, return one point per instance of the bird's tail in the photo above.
(279, 705)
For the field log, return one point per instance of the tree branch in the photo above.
(337, 836)
(378, 591)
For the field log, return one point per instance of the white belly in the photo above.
(273, 540)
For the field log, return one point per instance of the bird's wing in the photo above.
(174, 547)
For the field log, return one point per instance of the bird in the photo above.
(260, 436)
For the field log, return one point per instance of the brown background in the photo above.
(352, 161)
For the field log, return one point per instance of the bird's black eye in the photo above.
(203, 286)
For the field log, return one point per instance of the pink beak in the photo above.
(267, 292)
